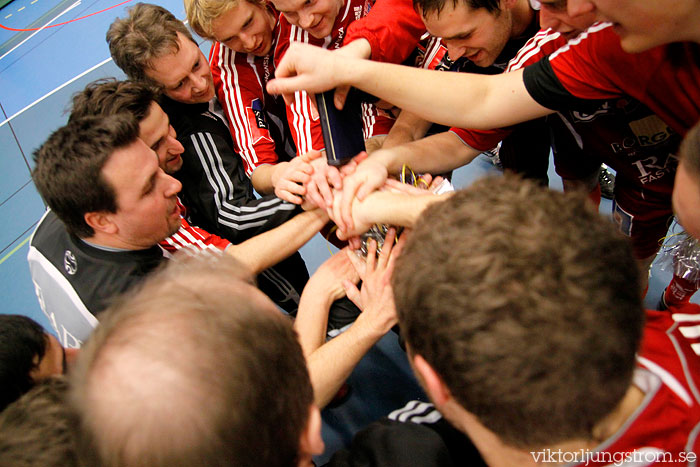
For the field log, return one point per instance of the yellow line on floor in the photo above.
(14, 250)
(21, 9)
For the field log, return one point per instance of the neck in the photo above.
(110, 241)
(607, 427)
(497, 453)
(614, 421)
(523, 15)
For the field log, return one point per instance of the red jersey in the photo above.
(688, 318)
(261, 131)
(664, 428)
(192, 239)
(594, 66)
(392, 30)
(302, 117)
(256, 118)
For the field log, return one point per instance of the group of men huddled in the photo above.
(520, 307)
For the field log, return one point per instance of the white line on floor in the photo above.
(57, 89)
(41, 28)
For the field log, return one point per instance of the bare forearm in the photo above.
(332, 363)
(408, 127)
(384, 207)
(435, 154)
(262, 179)
(462, 100)
(269, 248)
(312, 318)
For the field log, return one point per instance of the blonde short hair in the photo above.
(202, 13)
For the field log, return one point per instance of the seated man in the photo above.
(37, 430)
(522, 316)
(213, 180)
(28, 355)
(110, 207)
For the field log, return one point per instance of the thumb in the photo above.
(285, 86)
(341, 94)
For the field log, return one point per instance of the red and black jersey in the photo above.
(619, 131)
(594, 67)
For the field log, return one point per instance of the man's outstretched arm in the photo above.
(330, 363)
(386, 207)
(462, 100)
(271, 247)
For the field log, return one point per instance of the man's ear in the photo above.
(311, 442)
(101, 221)
(434, 386)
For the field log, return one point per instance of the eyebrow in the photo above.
(177, 83)
(155, 145)
(248, 20)
(299, 5)
(180, 80)
(460, 35)
(150, 183)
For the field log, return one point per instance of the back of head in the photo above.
(195, 368)
(110, 97)
(147, 33)
(22, 346)
(37, 430)
(68, 172)
(526, 302)
(426, 7)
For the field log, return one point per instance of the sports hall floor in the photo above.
(50, 49)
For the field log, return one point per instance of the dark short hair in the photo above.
(108, 96)
(527, 304)
(203, 349)
(146, 34)
(23, 344)
(37, 429)
(426, 7)
(68, 172)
